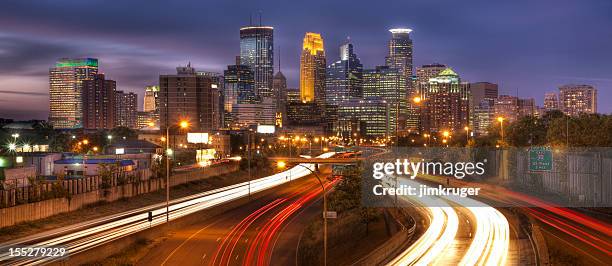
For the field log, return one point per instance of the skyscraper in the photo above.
(65, 90)
(387, 84)
(257, 52)
(400, 53)
(446, 103)
(126, 109)
(344, 80)
(191, 96)
(576, 99)
(312, 70)
(239, 88)
(98, 96)
(151, 98)
(279, 86)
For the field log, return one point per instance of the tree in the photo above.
(526, 131)
(121, 132)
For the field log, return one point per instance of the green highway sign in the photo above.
(540, 159)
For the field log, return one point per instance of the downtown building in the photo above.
(445, 103)
(364, 118)
(399, 57)
(279, 86)
(344, 82)
(190, 96)
(512, 108)
(99, 102)
(65, 91)
(387, 84)
(257, 52)
(149, 116)
(126, 109)
(309, 112)
(577, 99)
(482, 112)
(312, 70)
(238, 89)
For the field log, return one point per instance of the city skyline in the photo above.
(552, 52)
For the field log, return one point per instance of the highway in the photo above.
(243, 236)
(87, 235)
(439, 244)
(573, 231)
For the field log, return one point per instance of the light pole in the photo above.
(182, 124)
(467, 135)
(282, 164)
(249, 159)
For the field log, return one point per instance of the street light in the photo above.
(15, 136)
(182, 124)
(501, 124)
(467, 135)
(417, 100)
(282, 164)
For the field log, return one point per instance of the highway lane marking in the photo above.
(185, 241)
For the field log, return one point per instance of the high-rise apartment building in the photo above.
(126, 109)
(98, 95)
(257, 52)
(387, 84)
(344, 80)
(445, 103)
(312, 70)
(550, 101)
(65, 90)
(576, 99)
(190, 96)
(151, 99)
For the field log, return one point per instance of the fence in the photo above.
(583, 178)
(80, 192)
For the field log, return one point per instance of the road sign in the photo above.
(540, 159)
(331, 215)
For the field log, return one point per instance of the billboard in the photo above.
(266, 129)
(205, 155)
(197, 138)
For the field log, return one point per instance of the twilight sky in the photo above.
(529, 46)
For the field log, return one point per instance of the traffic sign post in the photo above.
(540, 159)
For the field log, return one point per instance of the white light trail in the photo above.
(87, 235)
